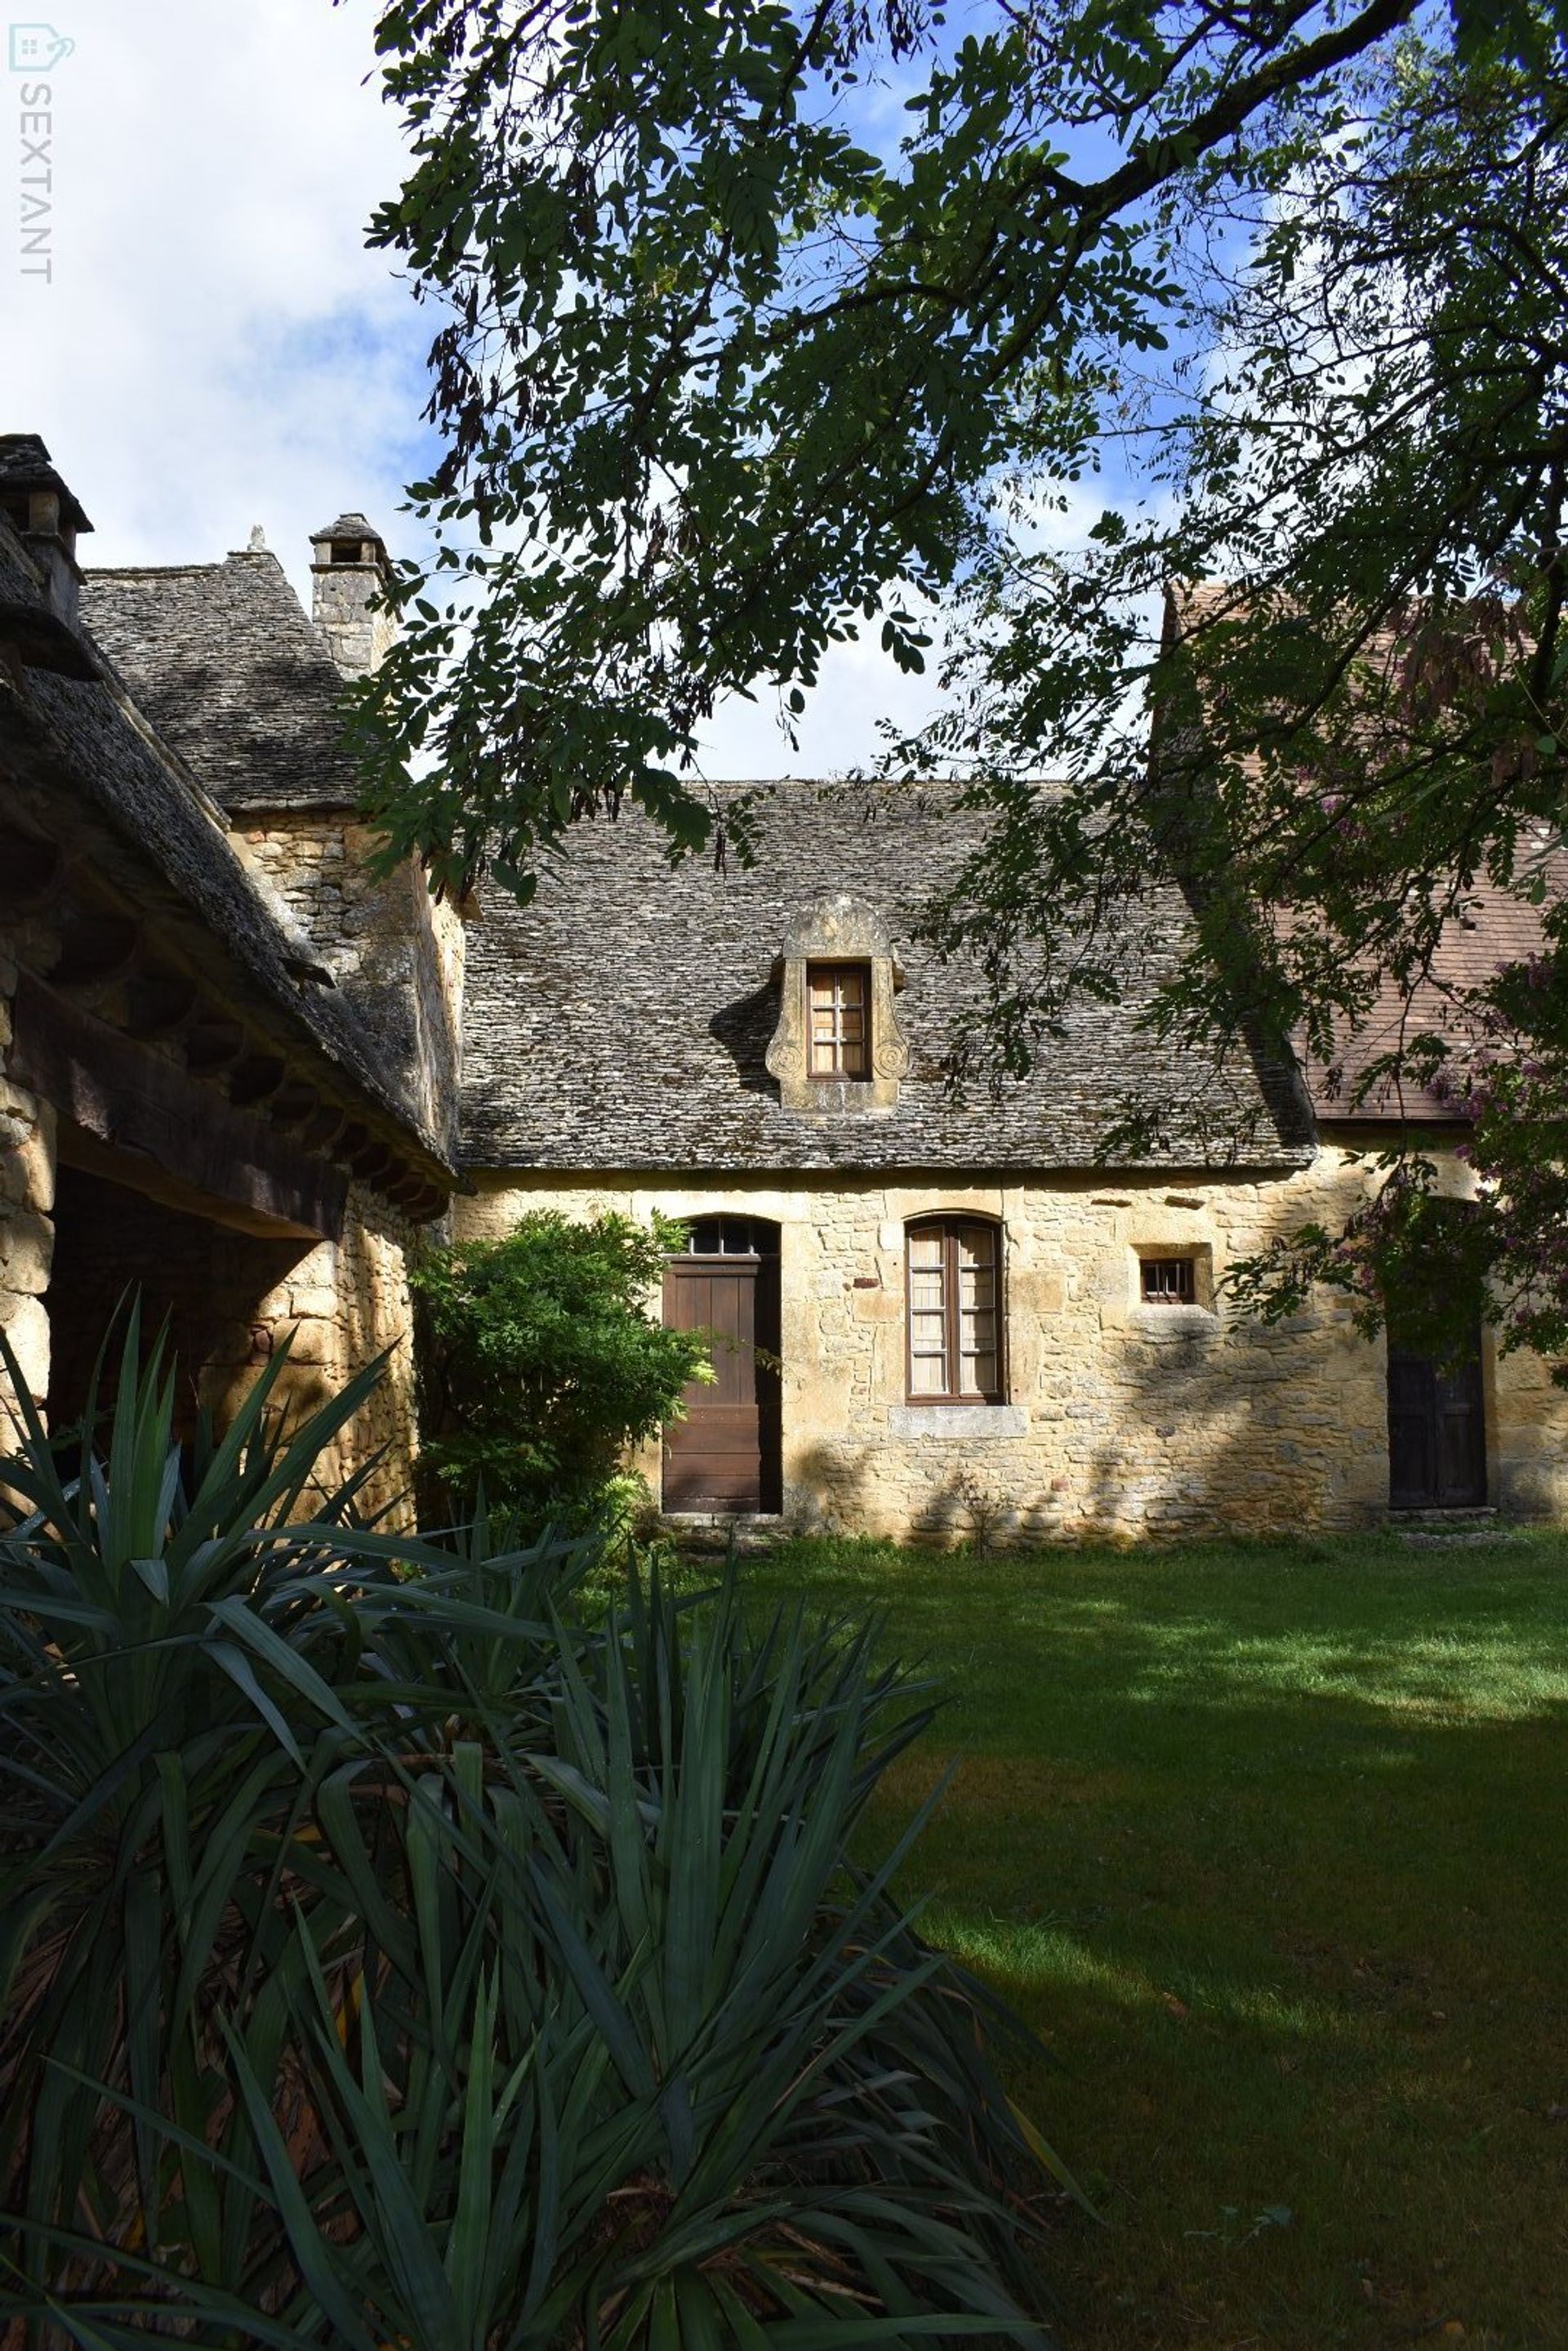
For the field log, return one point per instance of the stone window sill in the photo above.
(1187, 1320)
(846, 1098)
(981, 1424)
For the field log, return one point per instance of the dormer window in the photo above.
(840, 999)
(838, 1049)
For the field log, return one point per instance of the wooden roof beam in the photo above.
(95, 949)
(32, 873)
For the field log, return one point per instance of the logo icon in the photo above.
(39, 49)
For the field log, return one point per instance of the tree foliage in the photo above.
(721, 383)
(1359, 723)
(543, 1361)
(727, 371)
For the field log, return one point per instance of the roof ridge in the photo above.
(187, 570)
(862, 783)
(146, 571)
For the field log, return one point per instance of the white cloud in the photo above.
(217, 347)
(859, 685)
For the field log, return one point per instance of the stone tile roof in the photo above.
(352, 525)
(223, 659)
(621, 1021)
(69, 737)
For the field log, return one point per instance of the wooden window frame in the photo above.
(752, 1254)
(824, 969)
(950, 1227)
(1164, 1300)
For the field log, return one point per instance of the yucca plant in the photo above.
(164, 1677)
(464, 1632)
(402, 1960)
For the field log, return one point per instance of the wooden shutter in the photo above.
(978, 1356)
(929, 1359)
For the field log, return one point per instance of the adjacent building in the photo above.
(229, 1062)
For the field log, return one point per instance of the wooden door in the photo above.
(726, 1455)
(1436, 1432)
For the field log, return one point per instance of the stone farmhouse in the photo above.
(241, 1074)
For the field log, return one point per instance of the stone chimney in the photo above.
(38, 506)
(351, 571)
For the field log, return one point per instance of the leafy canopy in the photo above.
(729, 371)
(726, 370)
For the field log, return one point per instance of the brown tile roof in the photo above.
(1493, 929)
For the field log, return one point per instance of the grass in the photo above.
(1268, 1845)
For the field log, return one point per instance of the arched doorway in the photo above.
(1435, 1296)
(727, 1455)
(1437, 1429)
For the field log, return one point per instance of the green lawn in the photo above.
(1268, 1845)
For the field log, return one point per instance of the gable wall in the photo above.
(396, 956)
(1123, 1421)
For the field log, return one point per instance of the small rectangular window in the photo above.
(347, 551)
(839, 1000)
(1169, 1281)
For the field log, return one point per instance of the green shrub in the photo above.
(542, 1363)
(392, 1956)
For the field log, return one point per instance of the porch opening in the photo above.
(208, 1279)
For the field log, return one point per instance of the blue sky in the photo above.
(218, 348)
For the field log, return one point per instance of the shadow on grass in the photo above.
(1263, 1841)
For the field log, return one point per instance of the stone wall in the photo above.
(342, 595)
(1122, 1420)
(231, 1300)
(345, 1302)
(27, 1221)
(397, 956)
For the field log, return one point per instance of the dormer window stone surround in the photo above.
(837, 930)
